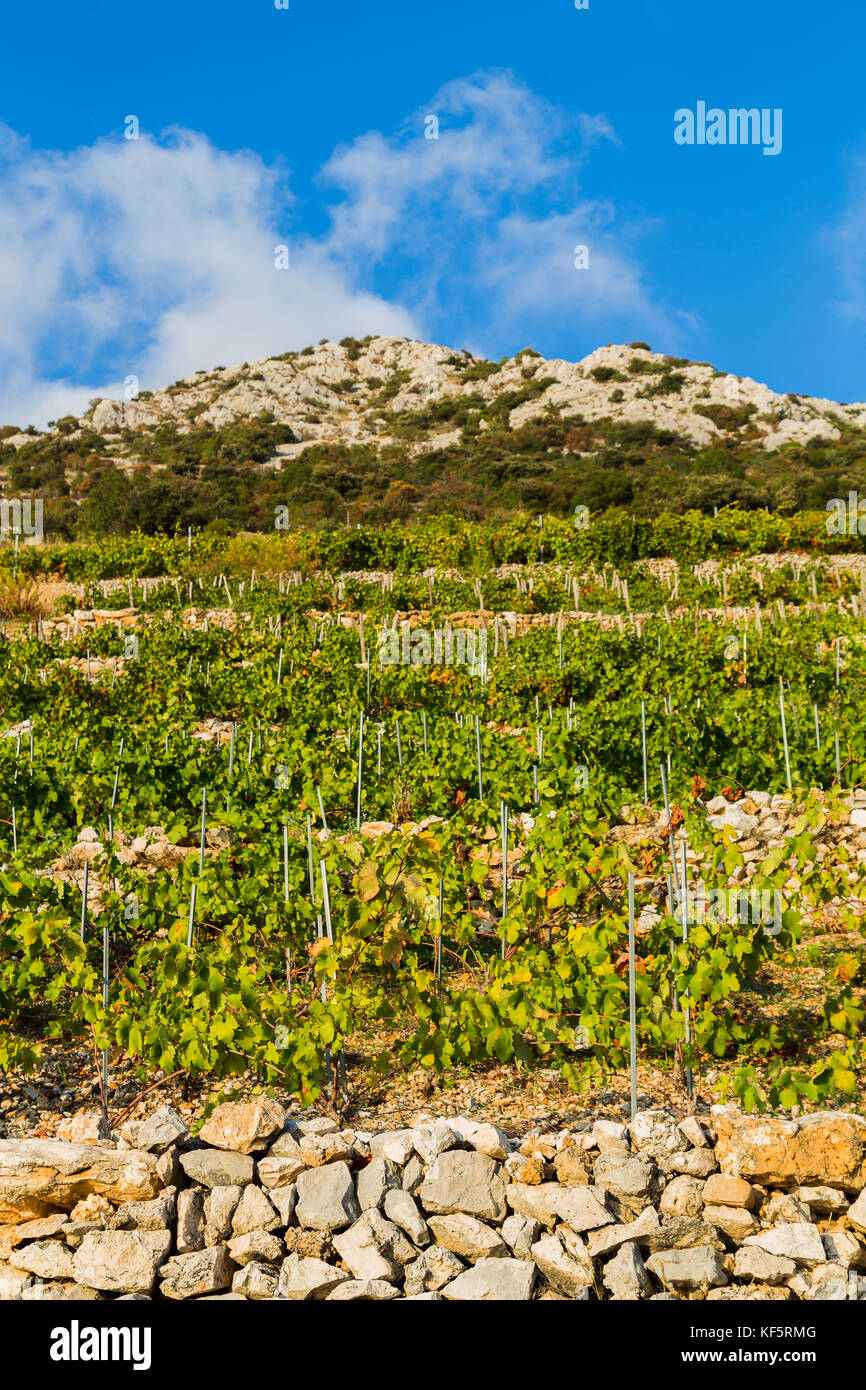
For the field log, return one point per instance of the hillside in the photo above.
(386, 428)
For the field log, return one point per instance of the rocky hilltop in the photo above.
(348, 392)
(377, 430)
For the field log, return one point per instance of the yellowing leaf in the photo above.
(368, 883)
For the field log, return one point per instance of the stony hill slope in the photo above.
(351, 386)
(386, 427)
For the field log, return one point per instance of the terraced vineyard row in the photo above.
(326, 828)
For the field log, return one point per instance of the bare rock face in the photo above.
(656, 1135)
(402, 1209)
(161, 1130)
(433, 1269)
(466, 1236)
(203, 1272)
(13, 1282)
(302, 1279)
(244, 1128)
(823, 1148)
(94, 1209)
(47, 1259)
(722, 1190)
(493, 1281)
(294, 387)
(684, 1196)
(257, 1247)
(219, 1210)
(629, 1177)
(857, 1213)
(157, 1215)
(38, 1176)
(190, 1221)
(753, 1263)
(46, 1229)
(374, 1182)
(326, 1198)
(215, 1168)
(254, 1213)
(117, 1261)
(468, 1182)
(625, 1276)
(567, 1271)
(279, 1171)
(363, 1290)
(793, 1240)
(65, 1291)
(89, 1127)
(695, 1269)
(256, 1281)
(736, 1222)
(484, 1138)
(370, 1248)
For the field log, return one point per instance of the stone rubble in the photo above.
(264, 1206)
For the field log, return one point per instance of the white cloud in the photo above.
(847, 242)
(155, 258)
(495, 141)
(489, 213)
(529, 264)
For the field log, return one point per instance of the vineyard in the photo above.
(322, 810)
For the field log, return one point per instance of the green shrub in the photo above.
(603, 374)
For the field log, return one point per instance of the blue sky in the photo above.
(305, 127)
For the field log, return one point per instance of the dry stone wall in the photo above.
(261, 1205)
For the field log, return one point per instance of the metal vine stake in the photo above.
(632, 1004)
